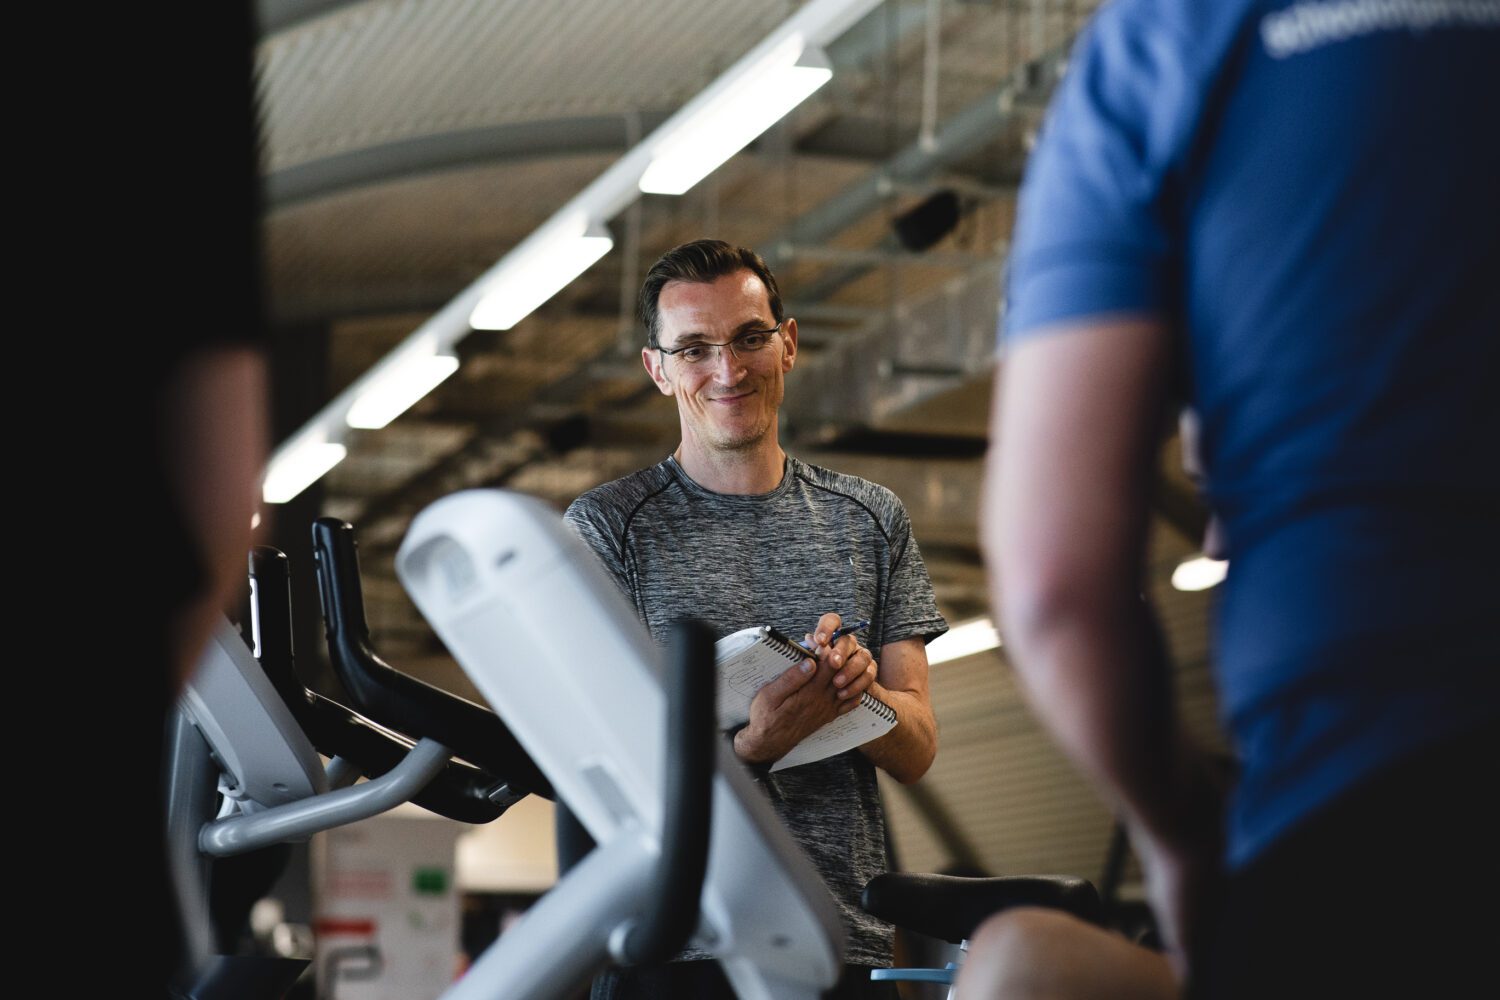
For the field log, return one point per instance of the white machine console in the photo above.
(560, 655)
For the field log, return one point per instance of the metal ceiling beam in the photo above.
(960, 136)
(877, 257)
(963, 134)
(475, 147)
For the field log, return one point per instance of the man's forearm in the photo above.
(1098, 680)
(907, 751)
(214, 425)
(1065, 520)
(1101, 683)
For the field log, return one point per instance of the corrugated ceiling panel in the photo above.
(438, 230)
(378, 72)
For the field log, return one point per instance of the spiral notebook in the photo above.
(753, 657)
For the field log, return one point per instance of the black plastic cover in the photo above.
(460, 791)
(393, 699)
(950, 908)
(691, 753)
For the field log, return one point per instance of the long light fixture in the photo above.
(393, 390)
(964, 639)
(727, 121)
(1199, 573)
(538, 270)
(298, 464)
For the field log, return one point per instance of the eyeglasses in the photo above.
(743, 347)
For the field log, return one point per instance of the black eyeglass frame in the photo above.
(768, 334)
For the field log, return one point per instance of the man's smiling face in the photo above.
(725, 403)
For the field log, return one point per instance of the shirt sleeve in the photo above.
(589, 524)
(1093, 226)
(911, 611)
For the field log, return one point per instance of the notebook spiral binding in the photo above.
(781, 644)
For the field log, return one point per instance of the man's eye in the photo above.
(692, 354)
(753, 341)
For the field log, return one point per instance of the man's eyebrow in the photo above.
(698, 336)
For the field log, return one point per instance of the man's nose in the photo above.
(728, 369)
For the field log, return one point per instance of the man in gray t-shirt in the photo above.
(733, 531)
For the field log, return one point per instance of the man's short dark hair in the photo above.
(701, 261)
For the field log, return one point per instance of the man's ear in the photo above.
(653, 360)
(789, 349)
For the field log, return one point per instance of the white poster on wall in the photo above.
(386, 909)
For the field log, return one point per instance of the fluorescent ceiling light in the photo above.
(1199, 573)
(298, 466)
(539, 272)
(729, 121)
(962, 640)
(393, 391)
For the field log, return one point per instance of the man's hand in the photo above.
(786, 711)
(819, 690)
(852, 664)
(1182, 871)
(1179, 885)
(807, 696)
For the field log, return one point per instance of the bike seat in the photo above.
(950, 908)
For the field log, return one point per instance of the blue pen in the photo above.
(839, 633)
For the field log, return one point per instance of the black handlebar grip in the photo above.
(691, 755)
(394, 699)
(271, 608)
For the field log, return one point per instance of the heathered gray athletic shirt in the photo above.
(819, 542)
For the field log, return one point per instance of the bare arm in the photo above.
(215, 421)
(1065, 521)
(907, 751)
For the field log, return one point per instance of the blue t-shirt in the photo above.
(1309, 195)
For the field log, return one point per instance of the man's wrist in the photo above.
(738, 741)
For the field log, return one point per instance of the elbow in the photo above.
(1052, 572)
(1029, 594)
(1027, 612)
(911, 774)
(914, 775)
(911, 769)
(1038, 609)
